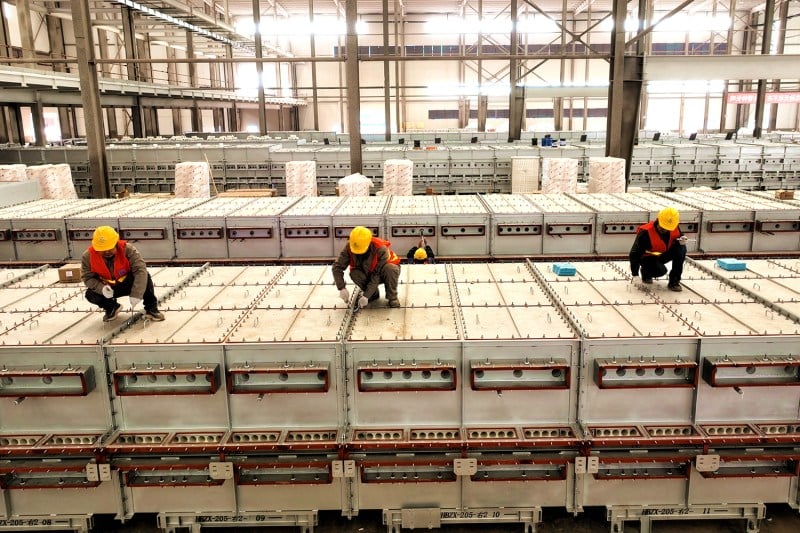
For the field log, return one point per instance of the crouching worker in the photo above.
(659, 242)
(371, 263)
(111, 268)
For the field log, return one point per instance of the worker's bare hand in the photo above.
(108, 292)
(344, 295)
(362, 302)
(683, 239)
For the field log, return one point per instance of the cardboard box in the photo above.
(70, 273)
(784, 195)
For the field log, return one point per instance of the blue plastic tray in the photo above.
(729, 263)
(564, 269)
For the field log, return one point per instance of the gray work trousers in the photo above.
(389, 276)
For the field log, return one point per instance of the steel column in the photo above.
(149, 115)
(624, 92)
(230, 84)
(766, 43)
(514, 115)
(353, 86)
(55, 36)
(482, 100)
(129, 39)
(197, 117)
(105, 71)
(643, 49)
(172, 79)
(24, 14)
(483, 110)
(262, 111)
(783, 18)
(90, 95)
(400, 51)
(723, 119)
(37, 114)
(313, 51)
(387, 101)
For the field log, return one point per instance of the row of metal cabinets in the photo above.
(264, 396)
(492, 225)
(235, 165)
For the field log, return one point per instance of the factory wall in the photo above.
(436, 85)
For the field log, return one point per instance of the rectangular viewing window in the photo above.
(47, 381)
(751, 371)
(154, 380)
(519, 471)
(644, 373)
(45, 477)
(407, 473)
(519, 375)
(385, 376)
(257, 378)
(752, 468)
(642, 470)
(285, 474)
(169, 477)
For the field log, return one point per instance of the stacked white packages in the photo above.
(398, 177)
(524, 175)
(354, 185)
(192, 180)
(559, 174)
(13, 173)
(301, 178)
(606, 174)
(55, 181)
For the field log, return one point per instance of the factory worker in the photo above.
(422, 254)
(111, 268)
(371, 263)
(658, 242)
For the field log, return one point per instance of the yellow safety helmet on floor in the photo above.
(360, 237)
(668, 218)
(104, 238)
(420, 254)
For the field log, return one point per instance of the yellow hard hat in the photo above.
(668, 218)
(420, 254)
(104, 238)
(360, 237)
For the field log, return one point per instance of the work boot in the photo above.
(155, 315)
(647, 280)
(394, 302)
(112, 313)
(675, 286)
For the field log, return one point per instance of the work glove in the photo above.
(135, 301)
(108, 292)
(362, 302)
(683, 239)
(344, 295)
(636, 281)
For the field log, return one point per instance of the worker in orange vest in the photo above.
(371, 262)
(112, 268)
(422, 254)
(658, 242)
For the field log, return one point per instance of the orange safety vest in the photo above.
(394, 259)
(656, 242)
(122, 266)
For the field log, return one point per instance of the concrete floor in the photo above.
(780, 519)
